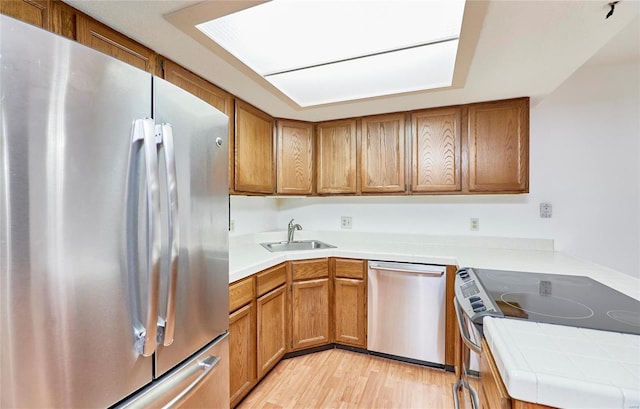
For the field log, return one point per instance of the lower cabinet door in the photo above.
(242, 352)
(350, 307)
(271, 319)
(310, 324)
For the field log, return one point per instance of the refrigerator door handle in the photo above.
(143, 132)
(206, 366)
(164, 134)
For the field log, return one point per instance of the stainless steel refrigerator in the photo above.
(113, 233)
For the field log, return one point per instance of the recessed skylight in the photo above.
(323, 51)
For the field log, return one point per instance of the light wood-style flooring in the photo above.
(338, 378)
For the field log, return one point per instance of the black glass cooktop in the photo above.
(559, 299)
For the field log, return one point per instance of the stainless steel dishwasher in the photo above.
(406, 310)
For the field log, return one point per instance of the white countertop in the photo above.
(247, 257)
(565, 367)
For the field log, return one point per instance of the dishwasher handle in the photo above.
(422, 269)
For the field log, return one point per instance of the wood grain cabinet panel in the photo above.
(308, 269)
(336, 166)
(242, 352)
(271, 278)
(435, 150)
(493, 394)
(294, 159)
(254, 156)
(382, 154)
(104, 39)
(498, 146)
(350, 268)
(240, 293)
(310, 316)
(350, 311)
(271, 321)
(35, 12)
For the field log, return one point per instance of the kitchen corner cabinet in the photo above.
(254, 164)
(310, 309)
(242, 339)
(498, 146)
(272, 317)
(294, 158)
(382, 152)
(336, 166)
(206, 91)
(35, 12)
(435, 150)
(350, 301)
(104, 39)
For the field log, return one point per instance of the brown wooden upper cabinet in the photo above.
(104, 39)
(254, 170)
(294, 159)
(435, 150)
(336, 157)
(35, 12)
(382, 166)
(498, 146)
(206, 91)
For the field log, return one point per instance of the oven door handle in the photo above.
(464, 331)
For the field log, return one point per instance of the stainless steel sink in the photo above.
(296, 245)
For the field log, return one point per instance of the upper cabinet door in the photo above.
(254, 158)
(36, 12)
(435, 150)
(382, 154)
(498, 146)
(295, 157)
(104, 39)
(336, 157)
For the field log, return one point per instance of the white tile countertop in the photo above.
(554, 365)
(565, 367)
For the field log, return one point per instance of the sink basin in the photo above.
(296, 245)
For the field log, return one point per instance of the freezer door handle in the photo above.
(206, 366)
(142, 133)
(164, 134)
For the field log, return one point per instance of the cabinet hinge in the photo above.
(291, 344)
(162, 66)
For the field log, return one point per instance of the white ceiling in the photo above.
(508, 49)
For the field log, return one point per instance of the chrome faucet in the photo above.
(291, 228)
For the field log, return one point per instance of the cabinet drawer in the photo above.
(269, 279)
(346, 268)
(240, 293)
(306, 269)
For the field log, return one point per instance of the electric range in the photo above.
(576, 301)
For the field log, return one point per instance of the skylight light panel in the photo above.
(397, 72)
(283, 36)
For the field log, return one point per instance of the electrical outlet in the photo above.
(475, 224)
(345, 222)
(232, 225)
(546, 210)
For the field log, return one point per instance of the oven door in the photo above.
(469, 362)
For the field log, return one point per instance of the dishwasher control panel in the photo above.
(472, 297)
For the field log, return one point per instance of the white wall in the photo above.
(585, 154)
(251, 214)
